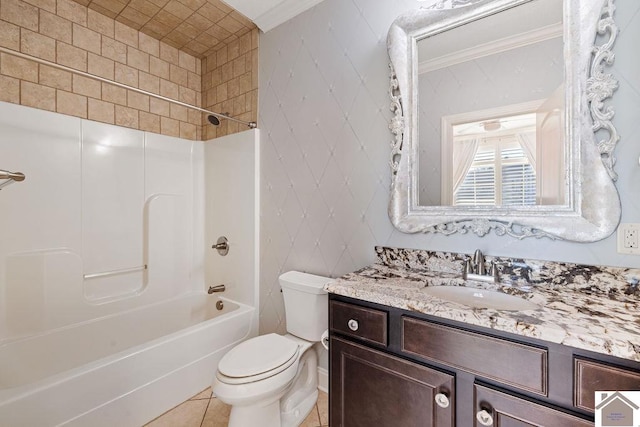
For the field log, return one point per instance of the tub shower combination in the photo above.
(105, 318)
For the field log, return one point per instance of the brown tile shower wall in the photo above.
(70, 34)
(230, 84)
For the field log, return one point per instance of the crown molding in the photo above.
(282, 12)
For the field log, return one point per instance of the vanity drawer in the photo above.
(592, 376)
(515, 364)
(367, 324)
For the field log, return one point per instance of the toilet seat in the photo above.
(258, 358)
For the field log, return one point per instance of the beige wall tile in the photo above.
(114, 49)
(187, 95)
(100, 23)
(127, 117)
(188, 131)
(148, 82)
(127, 75)
(233, 50)
(71, 104)
(239, 66)
(158, 106)
(137, 101)
(149, 122)
(178, 112)
(159, 67)
(87, 39)
(72, 11)
(137, 59)
(222, 56)
(101, 111)
(126, 35)
(149, 45)
(71, 56)
(19, 13)
(178, 75)
(86, 86)
(9, 35)
(187, 61)
(56, 27)
(221, 92)
(22, 69)
(169, 53)
(101, 66)
(194, 81)
(114, 94)
(37, 45)
(49, 5)
(233, 88)
(55, 78)
(169, 89)
(169, 126)
(9, 89)
(37, 96)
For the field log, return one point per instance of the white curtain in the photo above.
(463, 154)
(528, 143)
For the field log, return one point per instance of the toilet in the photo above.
(272, 380)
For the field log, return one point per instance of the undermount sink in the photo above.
(480, 298)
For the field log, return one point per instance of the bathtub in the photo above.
(123, 369)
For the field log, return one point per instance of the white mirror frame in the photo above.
(593, 209)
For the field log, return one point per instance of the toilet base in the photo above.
(243, 416)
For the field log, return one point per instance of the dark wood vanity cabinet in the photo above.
(390, 367)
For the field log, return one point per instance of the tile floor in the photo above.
(204, 410)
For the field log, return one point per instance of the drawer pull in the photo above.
(353, 324)
(442, 400)
(484, 418)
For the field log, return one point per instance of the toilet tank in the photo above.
(305, 304)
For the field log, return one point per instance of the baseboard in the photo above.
(323, 380)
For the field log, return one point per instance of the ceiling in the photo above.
(199, 26)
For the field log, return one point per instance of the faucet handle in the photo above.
(493, 272)
(467, 268)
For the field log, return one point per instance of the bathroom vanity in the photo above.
(402, 357)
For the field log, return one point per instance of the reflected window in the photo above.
(500, 174)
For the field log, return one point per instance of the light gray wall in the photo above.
(323, 114)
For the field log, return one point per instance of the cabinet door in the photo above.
(371, 388)
(499, 409)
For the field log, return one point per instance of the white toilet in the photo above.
(272, 380)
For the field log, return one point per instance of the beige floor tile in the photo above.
(217, 414)
(323, 408)
(187, 414)
(313, 419)
(204, 394)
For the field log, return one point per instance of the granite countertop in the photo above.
(587, 307)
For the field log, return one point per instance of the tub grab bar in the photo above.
(11, 177)
(114, 272)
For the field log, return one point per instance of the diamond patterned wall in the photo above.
(325, 144)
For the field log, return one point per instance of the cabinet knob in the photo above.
(442, 400)
(353, 324)
(484, 418)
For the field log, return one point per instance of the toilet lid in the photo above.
(257, 355)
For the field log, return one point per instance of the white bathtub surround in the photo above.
(582, 306)
(232, 197)
(99, 204)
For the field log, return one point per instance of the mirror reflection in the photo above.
(491, 107)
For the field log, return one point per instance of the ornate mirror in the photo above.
(500, 119)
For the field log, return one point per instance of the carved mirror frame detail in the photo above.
(594, 205)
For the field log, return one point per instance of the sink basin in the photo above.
(480, 298)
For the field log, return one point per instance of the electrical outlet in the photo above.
(629, 239)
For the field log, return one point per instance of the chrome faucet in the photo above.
(475, 269)
(218, 288)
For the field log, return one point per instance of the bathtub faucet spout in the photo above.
(218, 288)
